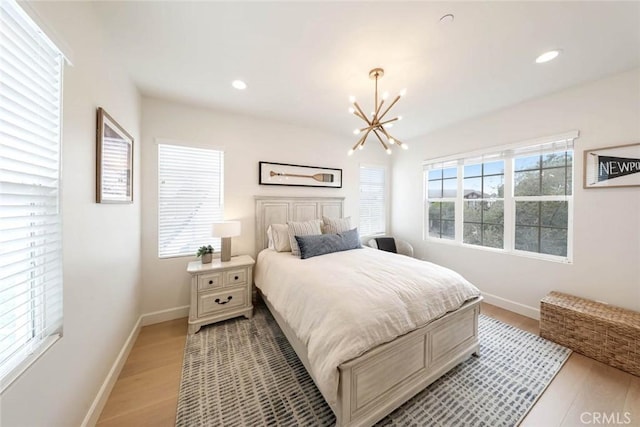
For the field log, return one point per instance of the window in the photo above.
(517, 199)
(541, 186)
(483, 211)
(442, 190)
(30, 224)
(190, 198)
(372, 200)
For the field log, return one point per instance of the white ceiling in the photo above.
(302, 60)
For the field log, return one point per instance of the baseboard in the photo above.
(105, 390)
(164, 315)
(516, 307)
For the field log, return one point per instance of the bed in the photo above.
(366, 383)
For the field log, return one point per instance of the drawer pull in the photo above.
(211, 282)
(229, 298)
(235, 278)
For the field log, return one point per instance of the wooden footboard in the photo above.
(373, 385)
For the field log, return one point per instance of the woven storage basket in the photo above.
(600, 331)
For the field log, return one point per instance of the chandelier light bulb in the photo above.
(385, 95)
(399, 117)
(405, 147)
(403, 92)
(356, 131)
(350, 152)
(388, 150)
(360, 147)
(392, 141)
(387, 125)
(351, 110)
(352, 99)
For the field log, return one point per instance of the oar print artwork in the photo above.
(321, 177)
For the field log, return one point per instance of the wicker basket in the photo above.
(600, 331)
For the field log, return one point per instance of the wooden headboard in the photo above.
(279, 210)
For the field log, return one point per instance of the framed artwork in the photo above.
(298, 175)
(610, 167)
(114, 161)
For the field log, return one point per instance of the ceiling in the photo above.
(302, 60)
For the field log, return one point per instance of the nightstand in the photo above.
(220, 290)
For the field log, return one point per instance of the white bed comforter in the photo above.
(343, 304)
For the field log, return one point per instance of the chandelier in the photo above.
(377, 124)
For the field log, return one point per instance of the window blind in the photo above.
(190, 198)
(30, 223)
(372, 201)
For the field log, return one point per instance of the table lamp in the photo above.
(225, 230)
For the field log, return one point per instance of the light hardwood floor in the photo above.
(146, 392)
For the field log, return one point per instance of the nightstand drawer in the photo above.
(235, 277)
(212, 302)
(209, 281)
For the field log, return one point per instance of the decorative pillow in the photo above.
(271, 245)
(306, 228)
(336, 225)
(279, 237)
(322, 244)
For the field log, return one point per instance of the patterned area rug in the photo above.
(244, 373)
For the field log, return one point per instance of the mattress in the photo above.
(342, 304)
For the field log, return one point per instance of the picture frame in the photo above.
(114, 161)
(612, 167)
(298, 175)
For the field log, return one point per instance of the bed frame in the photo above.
(374, 384)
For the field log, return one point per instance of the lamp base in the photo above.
(225, 253)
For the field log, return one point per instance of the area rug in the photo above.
(244, 373)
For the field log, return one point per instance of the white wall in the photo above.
(245, 141)
(101, 243)
(606, 263)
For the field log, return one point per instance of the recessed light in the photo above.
(239, 84)
(447, 19)
(547, 56)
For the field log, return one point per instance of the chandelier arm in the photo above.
(357, 114)
(389, 137)
(355, 147)
(375, 116)
(363, 116)
(381, 141)
(364, 138)
(389, 121)
(389, 107)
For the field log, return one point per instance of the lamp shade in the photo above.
(225, 229)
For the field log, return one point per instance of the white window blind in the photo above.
(190, 198)
(30, 223)
(372, 201)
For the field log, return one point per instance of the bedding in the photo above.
(342, 304)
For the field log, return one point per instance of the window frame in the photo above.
(386, 192)
(508, 153)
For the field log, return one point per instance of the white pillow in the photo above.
(279, 237)
(336, 225)
(306, 228)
